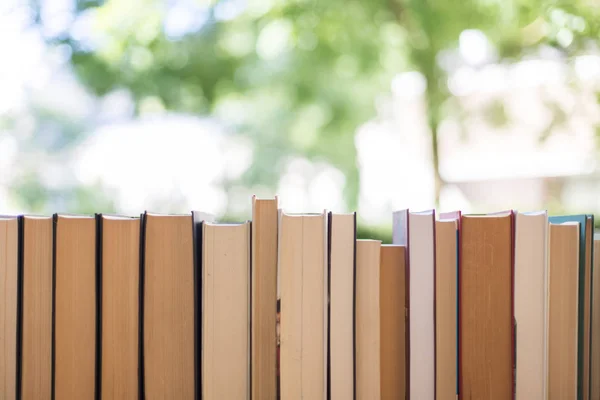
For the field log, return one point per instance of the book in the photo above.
(170, 319)
(264, 298)
(446, 307)
(342, 270)
(563, 321)
(531, 304)
(486, 326)
(74, 307)
(119, 252)
(226, 311)
(36, 300)
(368, 336)
(595, 347)
(303, 266)
(9, 239)
(586, 223)
(392, 295)
(421, 284)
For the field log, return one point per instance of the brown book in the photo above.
(120, 306)
(446, 297)
(302, 260)
(392, 294)
(595, 357)
(264, 298)
(36, 355)
(226, 311)
(587, 307)
(563, 305)
(531, 304)
(9, 236)
(368, 336)
(169, 315)
(74, 307)
(342, 241)
(485, 304)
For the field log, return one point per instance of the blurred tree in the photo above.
(299, 76)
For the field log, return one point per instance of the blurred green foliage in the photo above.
(299, 76)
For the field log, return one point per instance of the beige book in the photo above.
(342, 234)
(486, 318)
(392, 286)
(302, 262)
(36, 377)
(264, 298)
(120, 268)
(226, 311)
(75, 307)
(446, 257)
(421, 242)
(595, 357)
(168, 304)
(8, 306)
(563, 305)
(531, 308)
(368, 336)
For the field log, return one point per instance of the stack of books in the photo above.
(291, 306)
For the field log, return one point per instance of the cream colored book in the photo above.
(226, 311)
(8, 306)
(392, 308)
(342, 234)
(36, 377)
(75, 307)
(563, 305)
(303, 268)
(531, 304)
(264, 298)
(368, 335)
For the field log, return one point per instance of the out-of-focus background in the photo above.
(367, 105)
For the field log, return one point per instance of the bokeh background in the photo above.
(367, 105)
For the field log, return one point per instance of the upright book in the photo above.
(264, 298)
(584, 312)
(119, 250)
(226, 311)
(342, 290)
(170, 321)
(563, 335)
(9, 239)
(36, 299)
(595, 357)
(368, 319)
(486, 326)
(75, 308)
(303, 266)
(531, 305)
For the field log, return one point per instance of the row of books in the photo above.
(289, 306)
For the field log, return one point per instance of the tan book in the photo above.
(421, 247)
(563, 305)
(485, 304)
(595, 356)
(392, 296)
(303, 267)
(36, 377)
(264, 298)
(368, 334)
(9, 236)
(169, 315)
(446, 307)
(531, 304)
(226, 311)
(120, 306)
(342, 241)
(74, 307)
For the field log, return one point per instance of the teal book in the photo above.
(586, 231)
